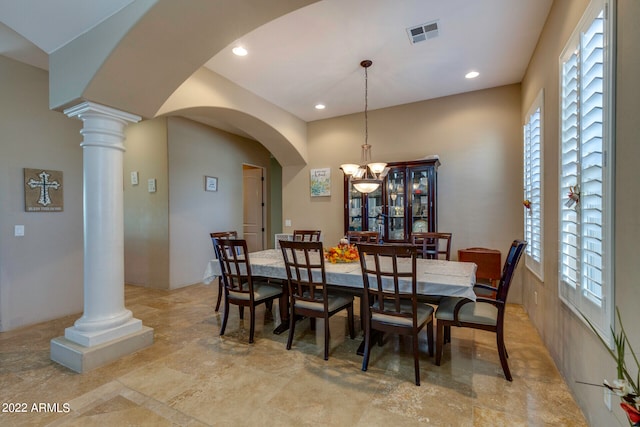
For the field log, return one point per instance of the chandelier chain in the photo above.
(366, 106)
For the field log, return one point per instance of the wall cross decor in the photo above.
(43, 190)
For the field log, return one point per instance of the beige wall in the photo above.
(40, 273)
(196, 150)
(167, 242)
(146, 215)
(575, 349)
(478, 137)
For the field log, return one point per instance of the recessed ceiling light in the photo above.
(472, 75)
(239, 50)
(320, 106)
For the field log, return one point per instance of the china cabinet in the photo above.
(405, 202)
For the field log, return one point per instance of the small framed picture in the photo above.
(210, 183)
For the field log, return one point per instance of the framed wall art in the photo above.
(320, 182)
(43, 190)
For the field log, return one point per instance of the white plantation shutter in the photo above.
(569, 233)
(533, 188)
(586, 257)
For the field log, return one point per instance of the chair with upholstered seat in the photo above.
(306, 235)
(227, 235)
(308, 293)
(391, 304)
(240, 287)
(363, 236)
(484, 313)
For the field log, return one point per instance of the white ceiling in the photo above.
(313, 54)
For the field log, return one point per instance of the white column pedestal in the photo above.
(106, 330)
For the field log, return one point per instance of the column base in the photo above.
(83, 359)
(93, 338)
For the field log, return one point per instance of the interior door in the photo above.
(253, 202)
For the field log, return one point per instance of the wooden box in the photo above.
(488, 261)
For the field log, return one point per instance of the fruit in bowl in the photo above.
(344, 252)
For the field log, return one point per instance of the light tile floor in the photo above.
(193, 377)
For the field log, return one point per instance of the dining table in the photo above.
(433, 277)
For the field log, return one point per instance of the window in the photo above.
(533, 188)
(585, 185)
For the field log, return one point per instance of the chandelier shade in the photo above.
(367, 176)
(366, 185)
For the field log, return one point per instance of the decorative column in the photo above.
(106, 326)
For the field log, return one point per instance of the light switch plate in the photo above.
(152, 185)
(18, 230)
(287, 223)
(134, 178)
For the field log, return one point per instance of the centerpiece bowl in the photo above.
(342, 253)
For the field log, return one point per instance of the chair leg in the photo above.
(292, 326)
(439, 340)
(416, 357)
(252, 322)
(220, 290)
(326, 337)
(502, 352)
(226, 315)
(447, 334)
(352, 328)
(241, 312)
(430, 337)
(362, 313)
(367, 346)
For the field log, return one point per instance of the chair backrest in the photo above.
(232, 234)
(233, 256)
(304, 262)
(363, 236)
(383, 266)
(510, 264)
(306, 235)
(432, 245)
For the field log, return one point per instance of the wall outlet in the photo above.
(287, 223)
(18, 230)
(134, 178)
(151, 183)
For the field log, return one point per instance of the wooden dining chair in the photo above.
(484, 313)
(227, 235)
(241, 288)
(306, 235)
(432, 245)
(363, 236)
(308, 293)
(388, 307)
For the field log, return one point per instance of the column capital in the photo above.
(102, 126)
(91, 108)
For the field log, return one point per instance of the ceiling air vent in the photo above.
(423, 32)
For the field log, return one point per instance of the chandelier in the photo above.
(367, 176)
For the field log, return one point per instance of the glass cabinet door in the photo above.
(421, 202)
(395, 193)
(355, 209)
(375, 207)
